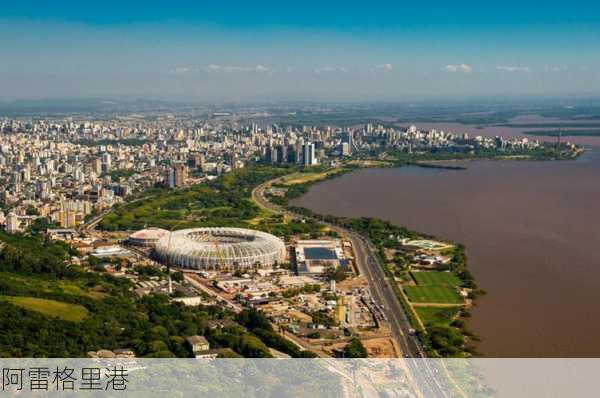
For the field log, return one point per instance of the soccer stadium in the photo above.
(220, 248)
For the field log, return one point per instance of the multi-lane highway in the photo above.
(426, 379)
(368, 262)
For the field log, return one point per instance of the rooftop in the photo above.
(319, 253)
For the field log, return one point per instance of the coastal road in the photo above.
(368, 262)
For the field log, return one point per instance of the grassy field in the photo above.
(50, 308)
(434, 278)
(434, 287)
(302, 178)
(370, 163)
(432, 316)
(31, 283)
(264, 214)
(75, 290)
(433, 294)
(224, 202)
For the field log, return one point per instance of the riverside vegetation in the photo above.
(54, 308)
(442, 331)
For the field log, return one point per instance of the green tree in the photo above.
(355, 349)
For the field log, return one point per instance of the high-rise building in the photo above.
(176, 176)
(309, 156)
(97, 166)
(347, 139)
(26, 174)
(43, 189)
(282, 155)
(196, 160)
(13, 224)
(277, 154)
(67, 218)
(345, 149)
(106, 162)
(272, 154)
(298, 158)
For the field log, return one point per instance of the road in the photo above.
(369, 266)
(90, 225)
(367, 260)
(197, 283)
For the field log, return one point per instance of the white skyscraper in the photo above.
(106, 162)
(309, 154)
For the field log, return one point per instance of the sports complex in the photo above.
(220, 248)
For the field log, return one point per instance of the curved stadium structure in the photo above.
(147, 237)
(220, 248)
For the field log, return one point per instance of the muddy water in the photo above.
(532, 231)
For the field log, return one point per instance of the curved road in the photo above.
(369, 265)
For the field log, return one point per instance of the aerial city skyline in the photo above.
(406, 194)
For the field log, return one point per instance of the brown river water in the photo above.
(532, 232)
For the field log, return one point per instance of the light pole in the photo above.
(169, 254)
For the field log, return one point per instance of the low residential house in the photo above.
(124, 353)
(198, 343)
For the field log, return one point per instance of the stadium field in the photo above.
(434, 278)
(433, 294)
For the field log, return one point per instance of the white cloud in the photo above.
(505, 68)
(236, 68)
(331, 69)
(385, 67)
(462, 68)
(556, 68)
(324, 69)
(180, 70)
(185, 69)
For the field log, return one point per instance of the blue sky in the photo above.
(332, 50)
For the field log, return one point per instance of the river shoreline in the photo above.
(516, 252)
(457, 323)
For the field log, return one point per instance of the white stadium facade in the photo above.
(147, 237)
(220, 249)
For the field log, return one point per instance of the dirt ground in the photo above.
(381, 347)
(378, 347)
(352, 283)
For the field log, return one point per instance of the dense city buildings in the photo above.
(390, 190)
(65, 171)
(199, 212)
